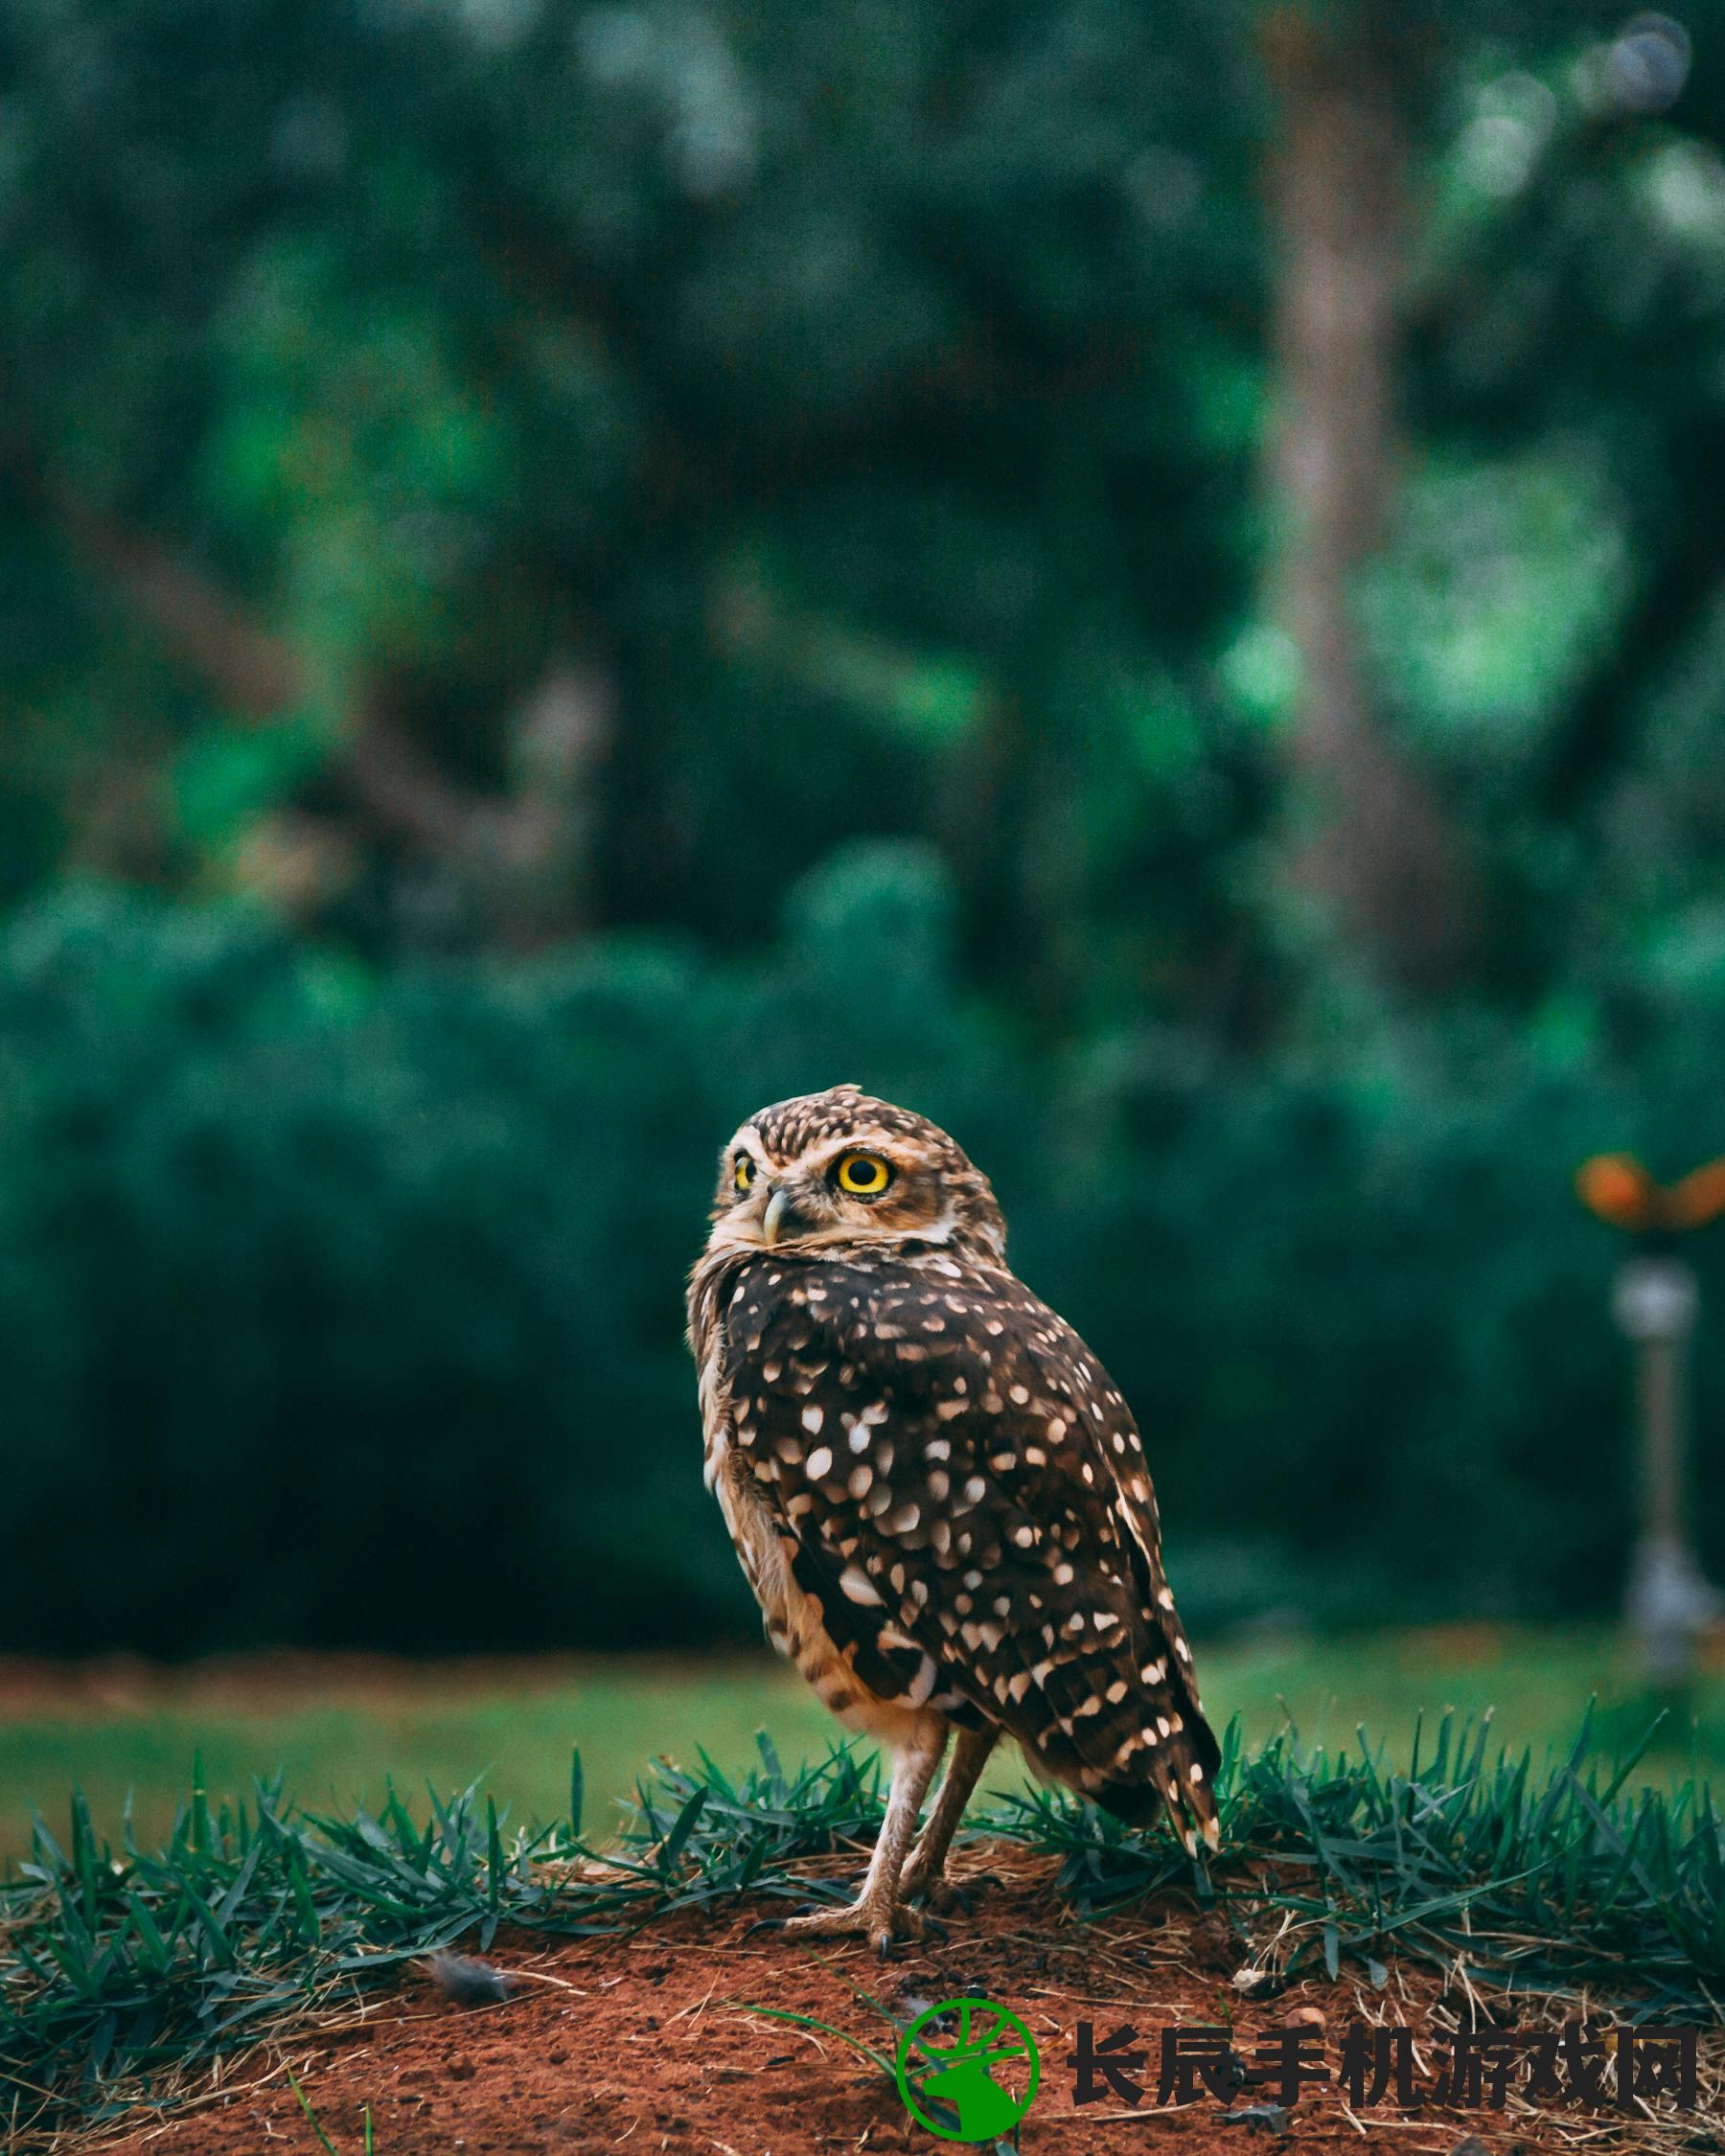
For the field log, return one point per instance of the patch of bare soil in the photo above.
(650, 2044)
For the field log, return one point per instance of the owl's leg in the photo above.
(879, 1912)
(924, 1875)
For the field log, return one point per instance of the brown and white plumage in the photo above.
(940, 1500)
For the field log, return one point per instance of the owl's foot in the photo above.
(879, 1918)
(941, 1895)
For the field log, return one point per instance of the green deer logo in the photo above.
(948, 2062)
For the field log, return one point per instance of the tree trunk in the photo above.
(1372, 849)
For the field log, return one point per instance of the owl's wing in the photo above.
(964, 1493)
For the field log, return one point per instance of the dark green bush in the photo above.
(339, 1308)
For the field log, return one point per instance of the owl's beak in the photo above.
(773, 1220)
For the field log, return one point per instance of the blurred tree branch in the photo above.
(520, 861)
(243, 665)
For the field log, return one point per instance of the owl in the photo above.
(940, 1501)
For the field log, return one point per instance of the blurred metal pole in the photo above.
(1669, 1600)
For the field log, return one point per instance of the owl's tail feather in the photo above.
(1177, 1780)
(1138, 1750)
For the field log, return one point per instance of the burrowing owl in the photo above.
(940, 1501)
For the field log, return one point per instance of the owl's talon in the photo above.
(942, 1896)
(767, 1924)
(882, 1924)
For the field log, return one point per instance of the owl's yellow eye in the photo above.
(742, 1175)
(865, 1175)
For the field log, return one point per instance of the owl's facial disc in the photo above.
(865, 1186)
(841, 1168)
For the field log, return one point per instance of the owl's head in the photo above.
(841, 1168)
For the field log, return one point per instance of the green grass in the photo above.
(119, 1970)
(514, 1727)
(511, 1728)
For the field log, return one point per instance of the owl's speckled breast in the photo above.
(791, 1618)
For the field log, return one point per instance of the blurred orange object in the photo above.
(1700, 1197)
(1617, 1187)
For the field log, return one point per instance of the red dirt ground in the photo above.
(647, 2044)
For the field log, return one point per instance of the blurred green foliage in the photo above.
(567, 569)
(341, 1305)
